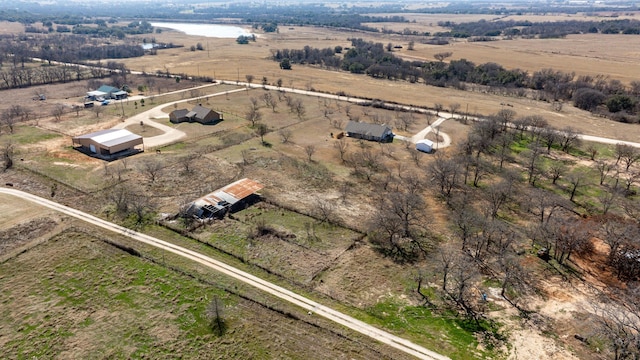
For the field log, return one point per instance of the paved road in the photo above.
(284, 294)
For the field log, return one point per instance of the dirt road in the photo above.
(284, 294)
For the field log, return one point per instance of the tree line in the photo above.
(593, 93)
(547, 29)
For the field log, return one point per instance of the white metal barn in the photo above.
(424, 145)
(109, 144)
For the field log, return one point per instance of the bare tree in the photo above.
(249, 79)
(628, 154)
(577, 179)
(341, 145)
(99, 109)
(57, 112)
(285, 135)
(310, 150)
(443, 55)
(556, 170)
(269, 101)
(8, 152)
(446, 174)
(152, 167)
(188, 160)
(453, 108)
(8, 120)
(323, 210)
(215, 314)
(253, 115)
(603, 167)
(438, 107)
(569, 138)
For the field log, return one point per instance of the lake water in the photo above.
(208, 30)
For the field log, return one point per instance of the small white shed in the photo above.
(424, 145)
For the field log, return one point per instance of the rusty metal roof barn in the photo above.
(220, 201)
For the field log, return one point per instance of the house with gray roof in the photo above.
(199, 114)
(366, 131)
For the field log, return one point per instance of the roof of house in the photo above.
(199, 112)
(110, 137)
(231, 193)
(179, 113)
(374, 130)
(108, 89)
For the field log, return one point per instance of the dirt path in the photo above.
(284, 294)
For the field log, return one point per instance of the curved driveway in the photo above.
(284, 294)
(148, 118)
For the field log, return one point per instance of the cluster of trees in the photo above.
(526, 28)
(120, 32)
(592, 93)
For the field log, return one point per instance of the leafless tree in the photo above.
(341, 145)
(285, 135)
(619, 322)
(98, 110)
(8, 120)
(453, 108)
(505, 117)
(299, 109)
(549, 136)
(532, 156)
(603, 167)
(324, 210)
(438, 107)
(569, 138)
(57, 112)
(151, 167)
(253, 115)
(442, 55)
(556, 170)
(593, 151)
(7, 153)
(310, 150)
(249, 79)
(577, 179)
(215, 314)
(405, 120)
(496, 195)
(543, 204)
(188, 160)
(269, 101)
(628, 154)
(445, 173)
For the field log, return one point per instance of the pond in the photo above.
(208, 30)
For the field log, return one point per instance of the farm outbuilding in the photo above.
(225, 199)
(424, 145)
(199, 114)
(366, 131)
(109, 144)
(107, 92)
